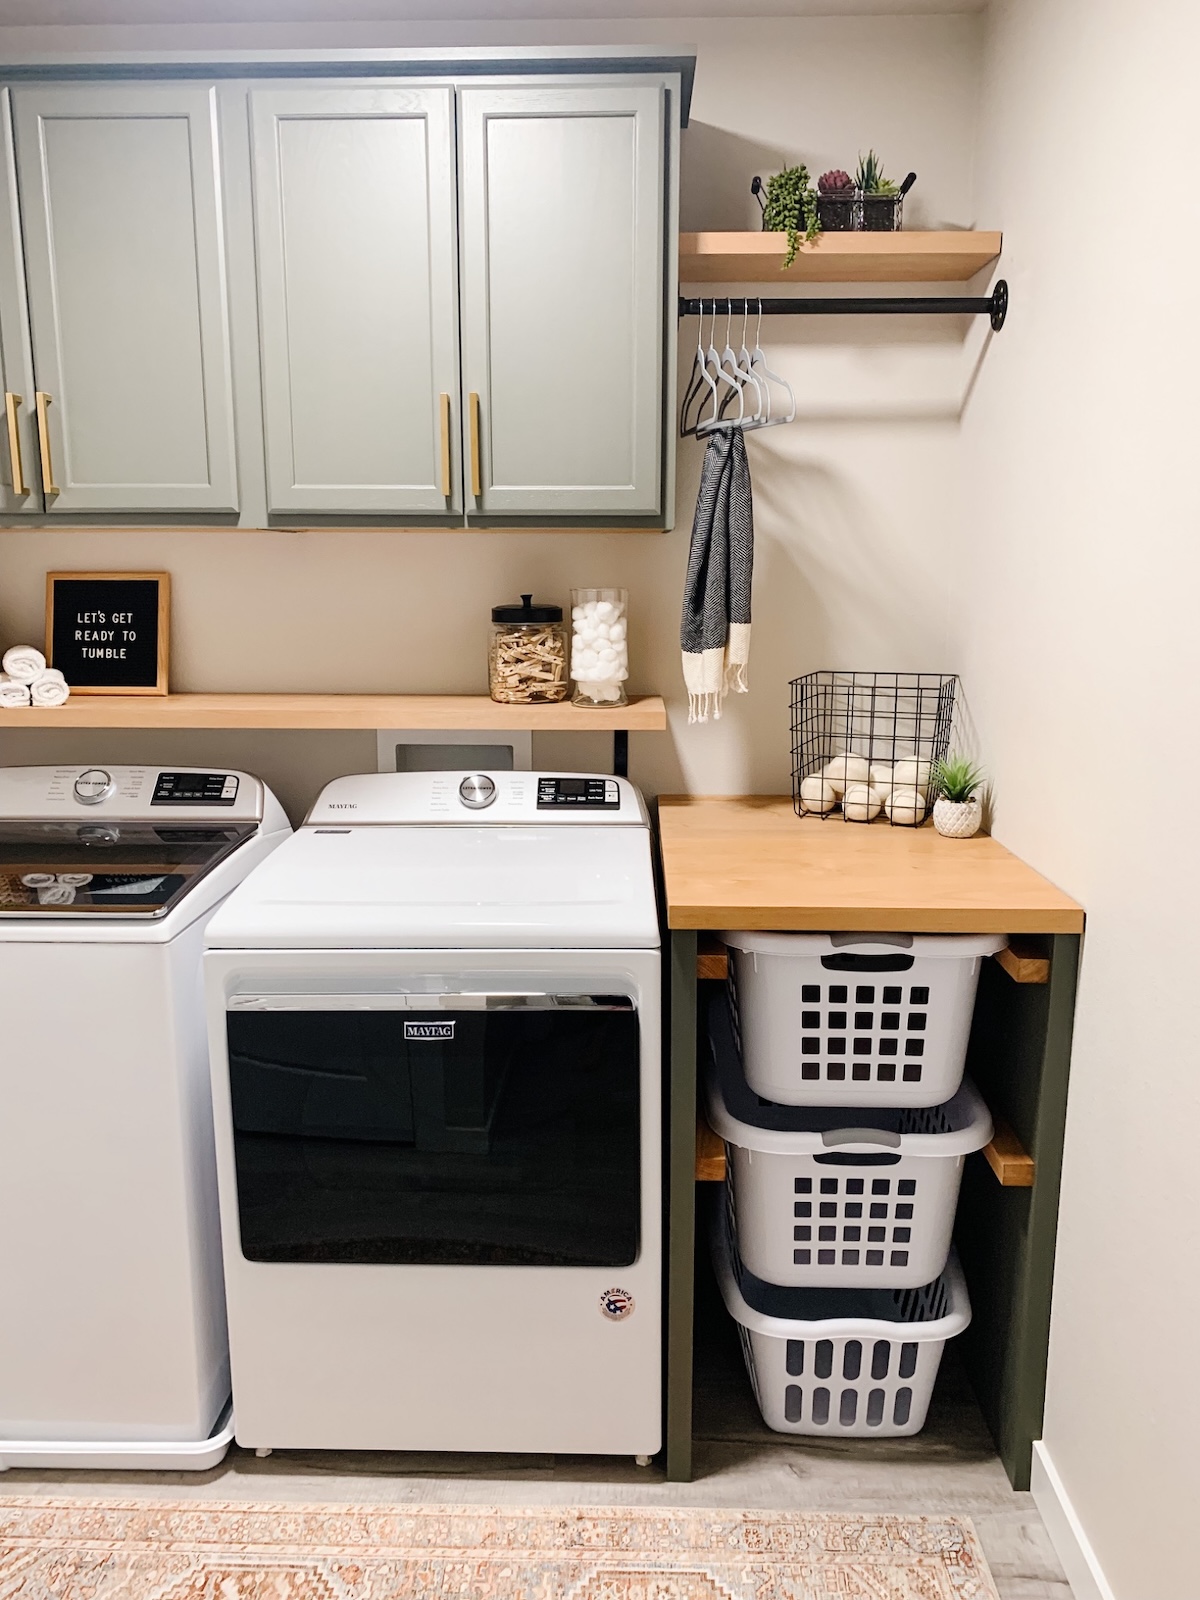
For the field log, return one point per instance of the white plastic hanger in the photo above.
(758, 363)
(725, 374)
(758, 417)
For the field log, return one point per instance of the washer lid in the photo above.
(342, 886)
(102, 866)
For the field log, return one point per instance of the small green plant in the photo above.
(870, 178)
(791, 208)
(957, 779)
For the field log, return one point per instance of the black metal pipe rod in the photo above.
(994, 305)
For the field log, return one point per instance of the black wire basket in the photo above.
(866, 744)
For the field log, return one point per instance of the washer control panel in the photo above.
(93, 786)
(129, 793)
(596, 794)
(195, 789)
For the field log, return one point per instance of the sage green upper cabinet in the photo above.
(358, 297)
(120, 206)
(20, 488)
(561, 225)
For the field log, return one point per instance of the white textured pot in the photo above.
(957, 819)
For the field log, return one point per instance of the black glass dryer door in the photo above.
(493, 1130)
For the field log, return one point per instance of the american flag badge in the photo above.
(616, 1304)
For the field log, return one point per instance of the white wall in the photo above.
(1078, 638)
(856, 503)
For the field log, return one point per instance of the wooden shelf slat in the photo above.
(710, 1153)
(913, 257)
(1023, 962)
(712, 958)
(1008, 1158)
(643, 714)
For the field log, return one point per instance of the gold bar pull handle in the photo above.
(476, 470)
(444, 412)
(11, 402)
(43, 421)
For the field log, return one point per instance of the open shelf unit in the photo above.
(643, 714)
(936, 257)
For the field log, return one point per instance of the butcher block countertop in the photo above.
(749, 862)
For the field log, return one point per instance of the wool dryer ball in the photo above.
(911, 774)
(817, 794)
(861, 803)
(847, 769)
(906, 807)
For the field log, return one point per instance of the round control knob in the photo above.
(477, 791)
(93, 786)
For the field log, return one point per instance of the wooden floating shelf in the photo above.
(644, 714)
(1024, 963)
(942, 257)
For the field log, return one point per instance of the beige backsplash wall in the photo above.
(856, 503)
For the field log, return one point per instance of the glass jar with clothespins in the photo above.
(527, 657)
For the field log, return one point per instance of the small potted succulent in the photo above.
(958, 809)
(837, 202)
(790, 207)
(881, 203)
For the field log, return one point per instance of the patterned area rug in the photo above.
(68, 1549)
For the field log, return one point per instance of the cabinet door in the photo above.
(358, 297)
(562, 262)
(124, 251)
(20, 489)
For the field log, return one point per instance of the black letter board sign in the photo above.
(107, 632)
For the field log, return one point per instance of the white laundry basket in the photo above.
(855, 1363)
(830, 1197)
(853, 1019)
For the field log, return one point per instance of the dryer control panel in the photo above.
(478, 799)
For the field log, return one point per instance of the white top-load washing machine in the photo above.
(113, 1350)
(435, 1036)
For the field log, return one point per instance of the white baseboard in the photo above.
(1084, 1572)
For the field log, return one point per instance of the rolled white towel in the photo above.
(38, 880)
(56, 894)
(49, 689)
(74, 880)
(24, 663)
(13, 693)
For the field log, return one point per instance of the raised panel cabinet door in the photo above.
(358, 298)
(124, 246)
(562, 258)
(20, 486)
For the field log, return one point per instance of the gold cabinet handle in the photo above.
(476, 471)
(43, 421)
(11, 402)
(444, 409)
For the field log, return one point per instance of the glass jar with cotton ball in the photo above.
(599, 646)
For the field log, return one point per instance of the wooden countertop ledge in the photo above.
(749, 862)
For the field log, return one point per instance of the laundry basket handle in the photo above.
(835, 1136)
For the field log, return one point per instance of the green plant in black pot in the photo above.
(878, 196)
(791, 208)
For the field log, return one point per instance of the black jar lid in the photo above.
(527, 612)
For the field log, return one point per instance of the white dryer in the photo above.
(435, 1036)
(113, 1350)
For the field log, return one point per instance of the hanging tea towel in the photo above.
(715, 632)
